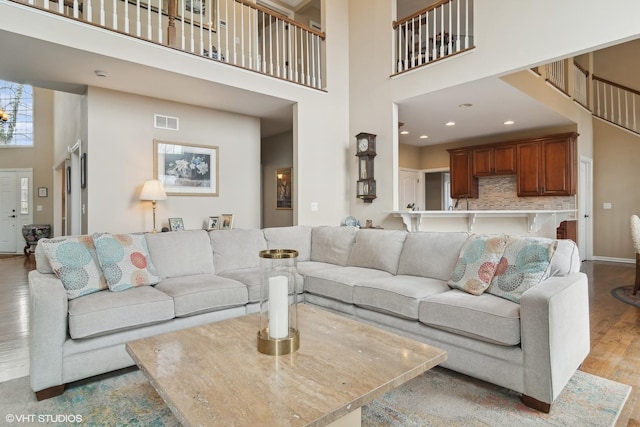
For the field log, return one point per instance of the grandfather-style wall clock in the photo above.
(366, 151)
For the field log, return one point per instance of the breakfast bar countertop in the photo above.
(535, 218)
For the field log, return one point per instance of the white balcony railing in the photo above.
(438, 31)
(237, 32)
(556, 74)
(616, 104)
(580, 85)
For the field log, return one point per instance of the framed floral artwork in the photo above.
(186, 169)
(176, 224)
(283, 188)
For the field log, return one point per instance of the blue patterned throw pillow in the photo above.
(477, 263)
(125, 261)
(524, 264)
(74, 261)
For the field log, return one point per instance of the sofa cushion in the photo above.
(431, 254)
(236, 248)
(524, 264)
(396, 295)
(306, 267)
(74, 261)
(125, 261)
(566, 259)
(337, 283)
(477, 263)
(251, 277)
(332, 244)
(106, 312)
(180, 253)
(379, 249)
(297, 237)
(203, 292)
(485, 317)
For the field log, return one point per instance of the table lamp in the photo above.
(153, 190)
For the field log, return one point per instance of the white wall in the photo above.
(120, 159)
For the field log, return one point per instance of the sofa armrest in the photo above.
(554, 318)
(47, 329)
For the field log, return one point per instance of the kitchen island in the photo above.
(523, 222)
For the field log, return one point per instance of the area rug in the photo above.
(625, 294)
(437, 398)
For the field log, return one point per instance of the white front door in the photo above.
(8, 214)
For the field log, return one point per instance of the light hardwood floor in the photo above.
(615, 326)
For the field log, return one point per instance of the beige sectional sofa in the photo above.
(395, 280)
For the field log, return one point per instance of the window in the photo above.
(16, 100)
(24, 196)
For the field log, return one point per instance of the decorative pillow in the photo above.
(74, 261)
(125, 261)
(477, 263)
(525, 263)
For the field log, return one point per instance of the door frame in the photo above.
(585, 209)
(22, 219)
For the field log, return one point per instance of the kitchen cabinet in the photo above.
(547, 166)
(498, 160)
(463, 183)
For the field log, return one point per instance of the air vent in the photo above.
(165, 122)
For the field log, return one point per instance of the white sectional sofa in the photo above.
(395, 280)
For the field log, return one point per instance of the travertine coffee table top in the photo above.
(213, 375)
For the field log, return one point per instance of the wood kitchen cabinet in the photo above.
(463, 183)
(498, 160)
(547, 166)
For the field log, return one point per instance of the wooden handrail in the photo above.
(396, 24)
(282, 17)
(582, 70)
(619, 86)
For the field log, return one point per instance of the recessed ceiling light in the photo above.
(424, 136)
(100, 73)
(465, 105)
(450, 124)
(509, 122)
(404, 132)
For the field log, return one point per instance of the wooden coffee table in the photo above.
(214, 375)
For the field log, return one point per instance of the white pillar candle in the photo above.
(278, 307)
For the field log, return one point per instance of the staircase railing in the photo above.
(580, 85)
(441, 30)
(616, 104)
(236, 32)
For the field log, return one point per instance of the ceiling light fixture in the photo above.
(3, 116)
(100, 73)
(424, 136)
(450, 124)
(509, 122)
(465, 105)
(404, 132)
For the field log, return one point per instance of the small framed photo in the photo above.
(283, 188)
(43, 192)
(176, 224)
(226, 222)
(213, 223)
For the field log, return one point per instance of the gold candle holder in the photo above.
(278, 333)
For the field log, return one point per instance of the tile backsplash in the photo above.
(500, 193)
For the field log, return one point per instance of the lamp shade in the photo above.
(153, 190)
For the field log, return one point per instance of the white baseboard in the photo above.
(612, 259)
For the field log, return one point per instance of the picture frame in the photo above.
(186, 169)
(213, 223)
(226, 222)
(176, 224)
(43, 192)
(83, 170)
(284, 194)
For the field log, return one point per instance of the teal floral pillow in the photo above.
(125, 261)
(525, 263)
(74, 261)
(477, 263)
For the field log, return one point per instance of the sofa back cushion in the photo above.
(297, 237)
(431, 253)
(237, 248)
(180, 253)
(566, 259)
(332, 244)
(379, 249)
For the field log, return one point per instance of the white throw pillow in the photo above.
(477, 263)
